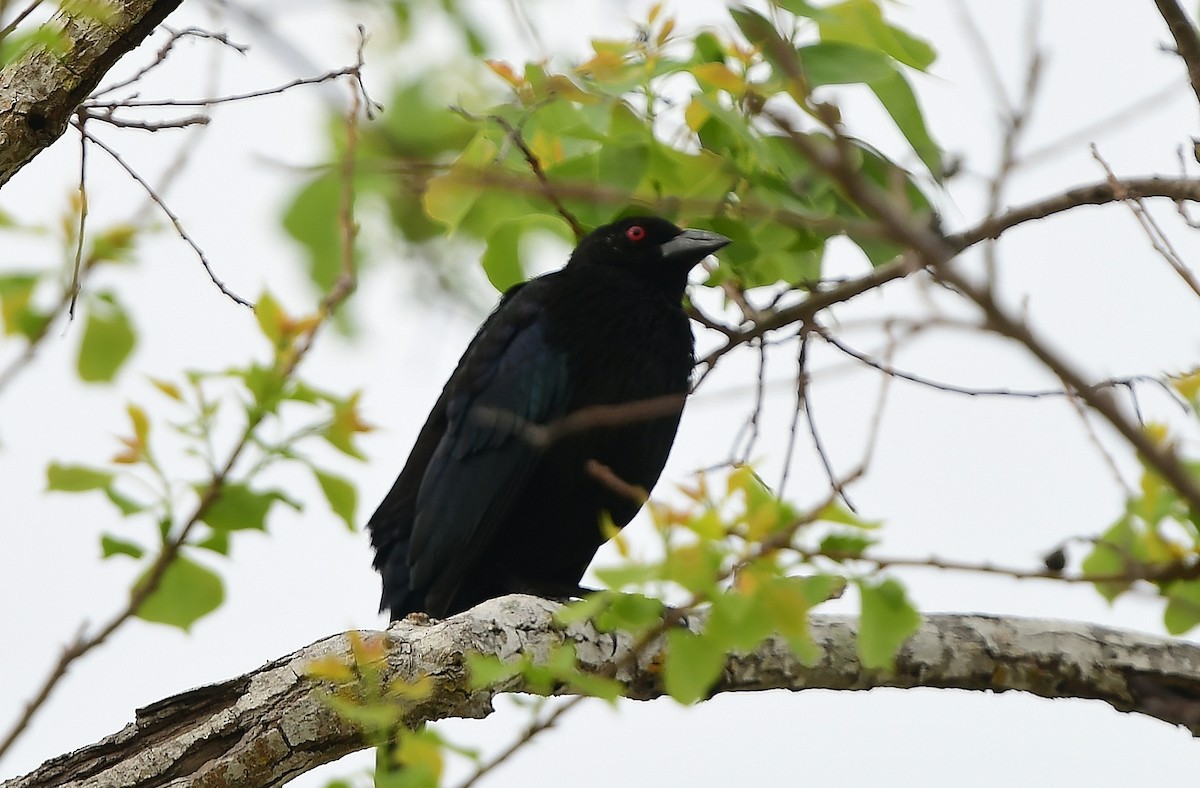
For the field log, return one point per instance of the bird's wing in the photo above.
(511, 381)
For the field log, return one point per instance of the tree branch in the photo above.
(1187, 43)
(40, 90)
(272, 724)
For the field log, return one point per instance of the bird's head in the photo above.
(650, 248)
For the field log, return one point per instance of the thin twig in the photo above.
(794, 427)
(805, 397)
(750, 429)
(18, 19)
(1015, 123)
(161, 56)
(230, 99)
(535, 166)
(1154, 232)
(174, 219)
(1153, 574)
(80, 229)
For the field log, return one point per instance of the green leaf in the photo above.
(502, 258)
(16, 308)
(625, 575)
(76, 478)
(739, 622)
(126, 504)
(696, 567)
(312, 220)
(111, 545)
(584, 609)
(450, 197)
(108, 339)
(168, 388)
(345, 425)
(845, 544)
(836, 512)
(630, 613)
(186, 593)
(888, 619)
(342, 497)
(900, 102)
(775, 49)
(801, 8)
(835, 63)
(623, 165)
(489, 670)
(239, 508)
(113, 244)
(1183, 606)
(271, 318)
(694, 663)
(861, 22)
(1111, 555)
(788, 600)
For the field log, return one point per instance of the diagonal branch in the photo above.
(40, 90)
(273, 724)
(1187, 42)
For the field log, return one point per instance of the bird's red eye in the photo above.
(636, 233)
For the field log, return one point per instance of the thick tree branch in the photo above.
(40, 90)
(272, 724)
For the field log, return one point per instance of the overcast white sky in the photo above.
(957, 477)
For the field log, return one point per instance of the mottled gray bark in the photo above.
(273, 724)
(41, 89)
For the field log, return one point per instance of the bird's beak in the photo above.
(692, 246)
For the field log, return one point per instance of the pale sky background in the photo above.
(960, 478)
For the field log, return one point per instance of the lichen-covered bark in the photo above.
(273, 724)
(40, 89)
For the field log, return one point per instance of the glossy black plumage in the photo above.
(483, 508)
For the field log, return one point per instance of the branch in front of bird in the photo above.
(582, 420)
(605, 476)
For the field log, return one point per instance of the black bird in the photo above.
(499, 494)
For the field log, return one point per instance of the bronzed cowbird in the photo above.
(567, 398)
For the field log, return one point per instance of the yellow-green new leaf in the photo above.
(888, 619)
(694, 663)
(186, 593)
(341, 495)
(238, 507)
(76, 478)
(108, 339)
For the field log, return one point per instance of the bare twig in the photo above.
(804, 396)
(1154, 232)
(1015, 121)
(1102, 193)
(794, 426)
(161, 56)
(750, 428)
(536, 727)
(548, 190)
(1152, 574)
(582, 420)
(352, 71)
(7, 30)
(174, 219)
(81, 229)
